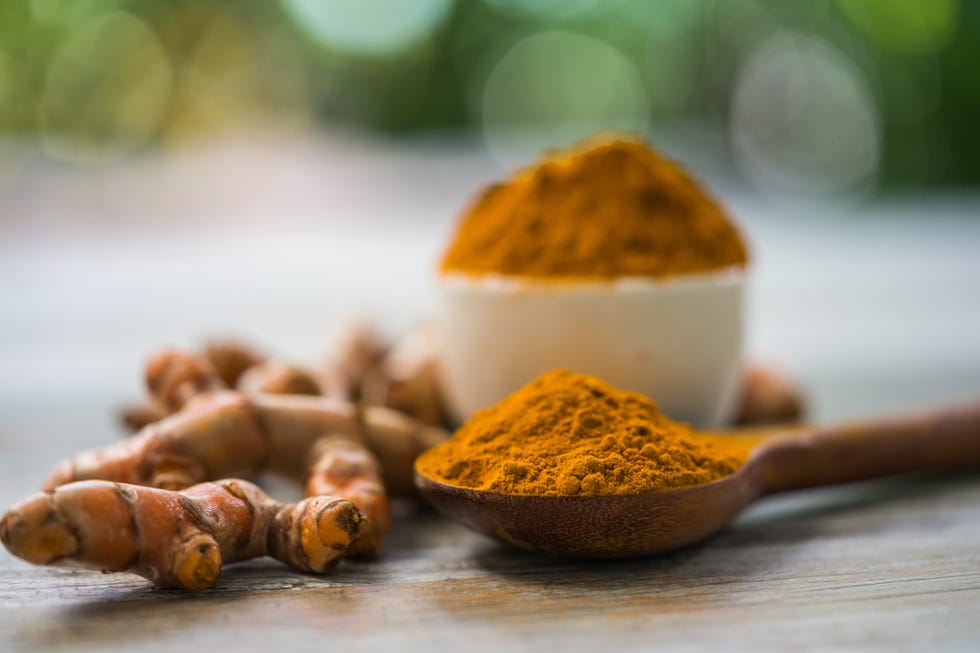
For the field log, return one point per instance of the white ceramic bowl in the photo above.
(678, 340)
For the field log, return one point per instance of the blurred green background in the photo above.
(821, 97)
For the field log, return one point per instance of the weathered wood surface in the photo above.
(889, 565)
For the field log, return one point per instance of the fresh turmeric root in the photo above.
(231, 358)
(227, 364)
(357, 346)
(293, 423)
(136, 415)
(177, 539)
(768, 397)
(220, 368)
(345, 468)
(218, 438)
(277, 378)
(174, 378)
(217, 433)
(407, 379)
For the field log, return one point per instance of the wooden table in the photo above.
(883, 566)
(872, 314)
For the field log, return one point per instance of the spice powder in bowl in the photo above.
(608, 259)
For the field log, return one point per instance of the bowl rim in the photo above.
(502, 283)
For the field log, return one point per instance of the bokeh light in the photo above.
(107, 90)
(368, 27)
(224, 70)
(9, 90)
(669, 52)
(557, 87)
(911, 89)
(904, 26)
(733, 29)
(70, 12)
(521, 74)
(804, 118)
(547, 9)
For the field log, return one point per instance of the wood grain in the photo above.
(889, 565)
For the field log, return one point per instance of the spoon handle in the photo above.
(948, 438)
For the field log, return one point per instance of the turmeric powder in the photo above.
(568, 434)
(608, 209)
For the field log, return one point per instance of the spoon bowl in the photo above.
(598, 526)
(618, 526)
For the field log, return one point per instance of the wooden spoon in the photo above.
(641, 524)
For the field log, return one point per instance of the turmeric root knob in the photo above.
(231, 359)
(768, 397)
(174, 377)
(176, 539)
(346, 468)
(275, 378)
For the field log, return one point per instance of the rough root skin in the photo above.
(768, 397)
(177, 539)
(275, 378)
(136, 416)
(344, 468)
(174, 377)
(227, 434)
(357, 347)
(216, 436)
(341, 450)
(407, 379)
(231, 359)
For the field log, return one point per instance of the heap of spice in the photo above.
(568, 434)
(610, 208)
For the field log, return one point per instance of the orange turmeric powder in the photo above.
(610, 208)
(568, 434)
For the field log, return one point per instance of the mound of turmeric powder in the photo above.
(567, 434)
(610, 208)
